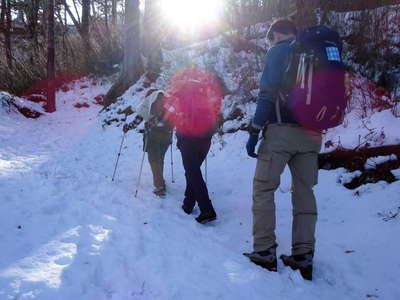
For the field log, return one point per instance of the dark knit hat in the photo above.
(283, 26)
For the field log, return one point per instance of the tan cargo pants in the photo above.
(292, 145)
(156, 148)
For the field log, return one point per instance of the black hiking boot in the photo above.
(302, 262)
(187, 210)
(265, 259)
(160, 192)
(204, 218)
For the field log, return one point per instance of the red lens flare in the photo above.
(38, 91)
(194, 102)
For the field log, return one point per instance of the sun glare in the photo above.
(191, 15)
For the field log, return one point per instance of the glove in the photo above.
(251, 145)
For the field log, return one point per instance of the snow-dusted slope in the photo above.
(372, 118)
(69, 232)
(377, 31)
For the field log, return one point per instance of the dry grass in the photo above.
(29, 66)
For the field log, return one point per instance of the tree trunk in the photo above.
(106, 16)
(7, 33)
(32, 21)
(85, 32)
(62, 21)
(51, 98)
(76, 11)
(132, 67)
(114, 14)
(72, 16)
(83, 29)
(94, 14)
(151, 40)
(2, 15)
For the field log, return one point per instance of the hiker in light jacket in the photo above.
(285, 142)
(157, 138)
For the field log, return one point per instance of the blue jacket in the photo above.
(271, 82)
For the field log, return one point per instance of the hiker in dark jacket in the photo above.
(194, 151)
(284, 142)
(157, 138)
(194, 109)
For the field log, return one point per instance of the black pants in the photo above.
(194, 152)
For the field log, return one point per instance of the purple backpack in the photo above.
(314, 85)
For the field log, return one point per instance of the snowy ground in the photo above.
(69, 232)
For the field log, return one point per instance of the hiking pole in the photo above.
(206, 169)
(119, 154)
(141, 164)
(172, 164)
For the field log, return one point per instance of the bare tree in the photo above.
(3, 15)
(85, 31)
(51, 101)
(106, 15)
(85, 18)
(151, 38)
(5, 18)
(32, 13)
(132, 67)
(114, 13)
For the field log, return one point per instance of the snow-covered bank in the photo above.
(372, 118)
(68, 232)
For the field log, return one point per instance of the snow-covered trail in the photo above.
(69, 232)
